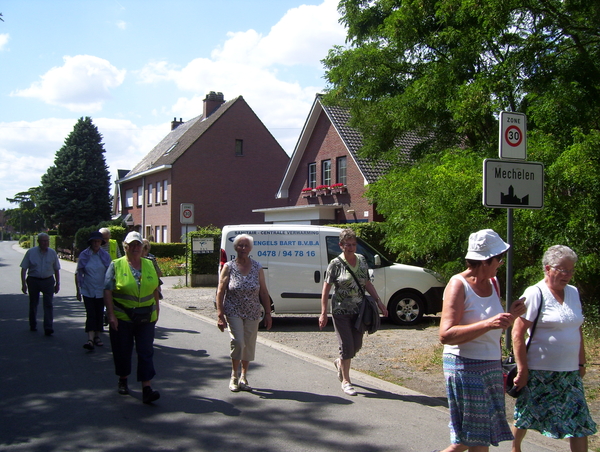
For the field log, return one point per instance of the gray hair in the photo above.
(556, 253)
(104, 231)
(42, 235)
(347, 234)
(239, 237)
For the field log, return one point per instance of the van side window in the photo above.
(334, 250)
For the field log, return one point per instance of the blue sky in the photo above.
(134, 65)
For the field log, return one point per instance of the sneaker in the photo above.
(122, 388)
(338, 365)
(148, 395)
(243, 384)
(348, 389)
(234, 385)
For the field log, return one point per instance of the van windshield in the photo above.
(362, 247)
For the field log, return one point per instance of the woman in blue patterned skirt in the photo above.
(470, 329)
(553, 402)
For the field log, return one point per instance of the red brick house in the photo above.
(225, 162)
(326, 155)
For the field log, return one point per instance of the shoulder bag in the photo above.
(368, 317)
(509, 365)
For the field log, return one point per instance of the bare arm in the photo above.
(373, 292)
(520, 350)
(264, 299)
(324, 302)
(23, 280)
(582, 359)
(110, 310)
(451, 331)
(221, 290)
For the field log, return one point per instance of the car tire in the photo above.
(406, 308)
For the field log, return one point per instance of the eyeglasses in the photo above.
(564, 271)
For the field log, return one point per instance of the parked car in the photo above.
(295, 259)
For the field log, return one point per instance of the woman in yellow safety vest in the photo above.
(131, 298)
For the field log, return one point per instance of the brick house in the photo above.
(327, 155)
(225, 162)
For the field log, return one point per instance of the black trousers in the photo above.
(122, 342)
(46, 287)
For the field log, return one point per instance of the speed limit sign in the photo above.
(513, 136)
(186, 213)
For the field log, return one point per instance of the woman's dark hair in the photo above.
(472, 263)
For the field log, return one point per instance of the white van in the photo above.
(295, 258)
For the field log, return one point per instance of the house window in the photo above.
(164, 234)
(239, 147)
(341, 170)
(149, 194)
(165, 190)
(312, 175)
(326, 172)
(158, 192)
(140, 195)
(157, 235)
(129, 197)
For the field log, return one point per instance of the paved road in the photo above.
(55, 396)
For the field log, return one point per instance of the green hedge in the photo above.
(171, 250)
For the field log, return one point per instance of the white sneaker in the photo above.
(243, 384)
(348, 389)
(234, 385)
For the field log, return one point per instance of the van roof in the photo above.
(303, 227)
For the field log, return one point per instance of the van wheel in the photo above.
(406, 308)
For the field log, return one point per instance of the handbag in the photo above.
(138, 316)
(368, 319)
(509, 365)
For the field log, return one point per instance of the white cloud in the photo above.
(3, 40)
(251, 65)
(82, 84)
(28, 149)
(121, 25)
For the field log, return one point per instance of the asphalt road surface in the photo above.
(56, 396)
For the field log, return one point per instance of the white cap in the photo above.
(485, 244)
(133, 237)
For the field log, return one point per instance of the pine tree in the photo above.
(75, 191)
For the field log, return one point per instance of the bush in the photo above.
(171, 266)
(168, 250)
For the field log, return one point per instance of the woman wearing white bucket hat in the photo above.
(470, 329)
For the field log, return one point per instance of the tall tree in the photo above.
(445, 70)
(26, 218)
(75, 191)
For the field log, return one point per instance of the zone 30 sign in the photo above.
(513, 136)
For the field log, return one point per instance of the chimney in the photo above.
(175, 123)
(212, 102)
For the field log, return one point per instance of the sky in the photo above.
(135, 65)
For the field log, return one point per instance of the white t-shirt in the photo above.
(556, 340)
(486, 346)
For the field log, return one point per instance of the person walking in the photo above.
(242, 289)
(470, 328)
(40, 273)
(552, 369)
(344, 273)
(132, 307)
(110, 245)
(89, 283)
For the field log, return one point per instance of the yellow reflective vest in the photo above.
(112, 249)
(128, 294)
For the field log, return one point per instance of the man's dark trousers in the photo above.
(46, 287)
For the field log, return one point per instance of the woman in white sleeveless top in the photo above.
(470, 329)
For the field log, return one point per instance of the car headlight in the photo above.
(436, 275)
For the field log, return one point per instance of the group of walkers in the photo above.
(550, 368)
(104, 279)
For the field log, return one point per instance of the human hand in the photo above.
(501, 321)
(268, 321)
(322, 321)
(24, 289)
(57, 287)
(78, 296)
(221, 323)
(113, 322)
(521, 378)
(518, 308)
